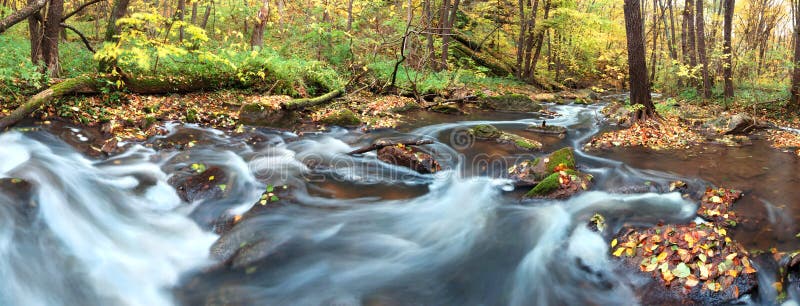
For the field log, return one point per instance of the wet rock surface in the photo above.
(409, 157)
(490, 132)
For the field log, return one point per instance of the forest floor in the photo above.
(135, 117)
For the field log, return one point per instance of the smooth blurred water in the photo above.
(348, 230)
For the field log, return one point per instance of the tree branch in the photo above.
(66, 16)
(83, 37)
(21, 14)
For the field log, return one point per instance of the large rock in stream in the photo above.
(511, 103)
(553, 176)
(490, 132)
(409, 157)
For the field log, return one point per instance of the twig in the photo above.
(83, 37)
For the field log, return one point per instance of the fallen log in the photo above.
(92, 84)
(385, 143)
(82, 84)
(496, 67)
(308, 102)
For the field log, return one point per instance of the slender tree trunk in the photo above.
(194, 12)
(540, 39)
(207, 14)
(118, 11)
(349, 15)
(51, 35)
(637, 66)
(654, 51)
(691, 40)
(35, 29)
(257, 40)
(701, 50)
(428, 12)
(181, 12)
(728, 68)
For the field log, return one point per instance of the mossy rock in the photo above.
(564, 156)
(511, 103)
(553, 187)
(343, 117)
(485, 131)
(520, 142)
(490, 132)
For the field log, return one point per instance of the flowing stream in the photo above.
(347, 230)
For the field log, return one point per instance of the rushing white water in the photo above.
(91, 238)
(114, 232)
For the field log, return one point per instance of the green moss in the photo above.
(548, 184)
(445, 109)
(523, 142)
(344, 117)
(485, 131)
(561, 156)
(251, 108)
(191, 115)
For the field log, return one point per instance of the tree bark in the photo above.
(194, 12)
(50, 37)
(308, 102)
(701, 50)
(207, 14)
(726, 50)
(35, 30)
(20, 15)
(180, 14)
(349, 15)
(257, 40)
(449, 19)
(637, 66)
(690, 31)
(521, 39)
(654, 51)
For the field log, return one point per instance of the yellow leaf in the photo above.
(619, 251)
(614, 242)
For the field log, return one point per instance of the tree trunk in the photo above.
(35, 29)
(444, 16)
(257, 40)
(50, 37)
(726, 50)
(194, 12)
(79, 84)
(15, 17)
(349, 15)
(673, 49)
(180, 14)
(701, 50)
(207, 14)
(637, 66)
(428, 12)
(654, 51)
(691, 47)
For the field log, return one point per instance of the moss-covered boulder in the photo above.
(511, 103)
(490, 132)
(545, 97)
(561, 184)
(342, 117)
(531, 172)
